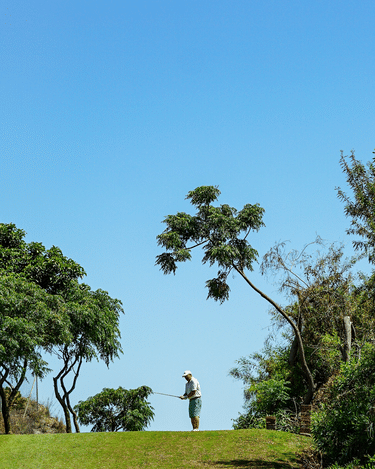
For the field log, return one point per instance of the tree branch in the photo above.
(199, 244)
(311, 387)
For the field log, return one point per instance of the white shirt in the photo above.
(193, 385)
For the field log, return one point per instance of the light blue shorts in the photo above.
(195, 406)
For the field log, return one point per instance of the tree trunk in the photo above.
(75, 420)
(7, 401)
(68, 423)
(292, 359)
(293, 355)
(348, 338)
(64, 399)
(67, 393)
(5, 410)
(305, 368)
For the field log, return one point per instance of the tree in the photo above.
(94, 328)
(117, 409)
(320, 286)
(91, 325)
(31, 320)
(360, 209)
(222, 233)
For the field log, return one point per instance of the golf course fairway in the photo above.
(172, 450)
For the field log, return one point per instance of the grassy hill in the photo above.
(162, 450)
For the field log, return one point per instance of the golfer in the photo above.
(193, 393)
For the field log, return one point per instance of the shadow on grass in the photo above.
(253, 463)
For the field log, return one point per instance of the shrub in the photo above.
(269, 397)
(248, 420)
(343, 429)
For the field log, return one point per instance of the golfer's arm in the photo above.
(187, 396)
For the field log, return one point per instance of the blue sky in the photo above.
(112, 111)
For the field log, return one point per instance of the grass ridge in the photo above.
(163, 450)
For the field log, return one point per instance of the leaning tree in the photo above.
(222, 233)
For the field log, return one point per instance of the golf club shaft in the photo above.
(170, 395)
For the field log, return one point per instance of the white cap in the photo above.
(187, 372)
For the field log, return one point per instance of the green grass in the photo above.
(169, 450)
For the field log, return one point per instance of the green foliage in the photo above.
(117, 409)
(321, 286)
(48, 268)
(287, 421)
(270, 362)
(356, 464)
(222, 233)
(248, 420)
(93, 324)
(360, 209)
(271, 395)
(364, 319)
(30, 320)
(268, 397)
(271, 388)
(343, 429)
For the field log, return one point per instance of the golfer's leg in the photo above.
(195, 423)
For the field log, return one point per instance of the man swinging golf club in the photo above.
(193, 393)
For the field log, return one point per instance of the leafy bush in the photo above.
(356, 464)
(271, 395)
(268, 398)
(286, 421)
(343, 429)
(248, 420)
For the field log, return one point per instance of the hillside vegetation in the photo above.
(27, 416)
(169, 450)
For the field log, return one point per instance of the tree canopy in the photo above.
(360, 208)
(222, 233)
(113, 410)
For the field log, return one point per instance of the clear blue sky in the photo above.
(112, 111)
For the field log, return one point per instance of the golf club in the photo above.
(170, 395)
